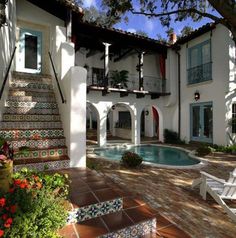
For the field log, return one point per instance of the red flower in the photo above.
(2, 202)
(1, 233)
(13, 208)
(17, 182)
(8, 222)
(11, 190)
(4, 217)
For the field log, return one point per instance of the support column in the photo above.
(106, 63)
(136, 122)
(102, 130)
(90, 120)
(69, 26)
(140, 56)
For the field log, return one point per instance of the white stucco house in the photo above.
(187, 86)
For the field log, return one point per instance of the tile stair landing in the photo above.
(100, 209)
(31, 118)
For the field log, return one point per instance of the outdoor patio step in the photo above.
(118, 224)
(35, 105)
(41, 164)
(28, 117)
(34, 85)
(30, 125)
(51, 152)
(39, 143)
(32, 99)
(30, 76)
(19, 92)
(12, 134)
(30, 111)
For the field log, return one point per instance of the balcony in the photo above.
(153, 86)
(200, 73)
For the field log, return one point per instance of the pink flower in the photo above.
(3, 157)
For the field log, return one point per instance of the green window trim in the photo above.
(199, 66)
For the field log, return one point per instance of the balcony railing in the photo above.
(200, 73)
(150, 83)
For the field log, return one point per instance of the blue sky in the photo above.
(151, 26)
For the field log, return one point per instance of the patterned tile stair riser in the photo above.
(30, 80)
(21, 110)
(137, 230)
(9, 117)
(95, 210)
(22, 75)
(32, 99)
(32, 154)
(41, 144)
(31, 134)
(36, 105)
(30, 125)
(30, 93)
(52, 165)
(27, 85)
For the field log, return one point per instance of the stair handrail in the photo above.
(7, 73)
(55, 74)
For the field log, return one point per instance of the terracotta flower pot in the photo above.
(6, 177)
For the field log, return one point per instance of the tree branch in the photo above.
(192, 10)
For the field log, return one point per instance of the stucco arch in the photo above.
(150, 118)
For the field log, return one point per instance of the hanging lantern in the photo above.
(3, 18)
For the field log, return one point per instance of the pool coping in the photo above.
(191, 153)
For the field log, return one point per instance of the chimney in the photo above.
(172, 38)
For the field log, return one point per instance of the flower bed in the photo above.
(34, 205)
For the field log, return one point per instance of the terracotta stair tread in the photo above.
(49, 148)
(36, 139)
(31, 129)
(39, 160)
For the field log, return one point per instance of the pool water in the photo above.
(153, 154)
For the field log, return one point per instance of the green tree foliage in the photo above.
(186, 31)
(141, 33)
(168, 10)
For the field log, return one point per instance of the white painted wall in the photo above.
(219, 90)
(32, 17)
(7, 44)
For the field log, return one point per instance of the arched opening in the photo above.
(92, 123)
(119, 123)
(151, 124)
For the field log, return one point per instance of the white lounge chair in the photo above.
(219, 189)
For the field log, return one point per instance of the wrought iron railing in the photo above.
(7, 72)
(150, 83)
(55, 74)
(200, 73)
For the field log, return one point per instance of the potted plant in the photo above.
(6, 165)
(119, 78)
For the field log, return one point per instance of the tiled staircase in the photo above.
(99, 210)
(31, 118)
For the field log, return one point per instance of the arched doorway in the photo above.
(92, 118)
(119, 122)
(151, 123)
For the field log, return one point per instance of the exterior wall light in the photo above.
(3, 18)
(147, 113)
(113, 107)
(196, 96)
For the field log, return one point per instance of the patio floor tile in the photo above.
(106, 194)
(84, 199)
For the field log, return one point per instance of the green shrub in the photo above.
(224, 149)
(34, 205)
(203, 150)
(172, 137)
(131, 159)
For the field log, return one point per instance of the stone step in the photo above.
(40, 144)
(48, 164)
(30, 76)
(32, 99)
(31, 85)
(18, 92)
(31, 133)
(52, 152)
(23, 118)
(118, 224)
(35, 105)
(30, 125)
(31, 80)
(30, 111)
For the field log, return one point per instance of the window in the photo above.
(199, 63)
(234, 118)
(97, 76)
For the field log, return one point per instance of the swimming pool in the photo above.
(151, 153)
